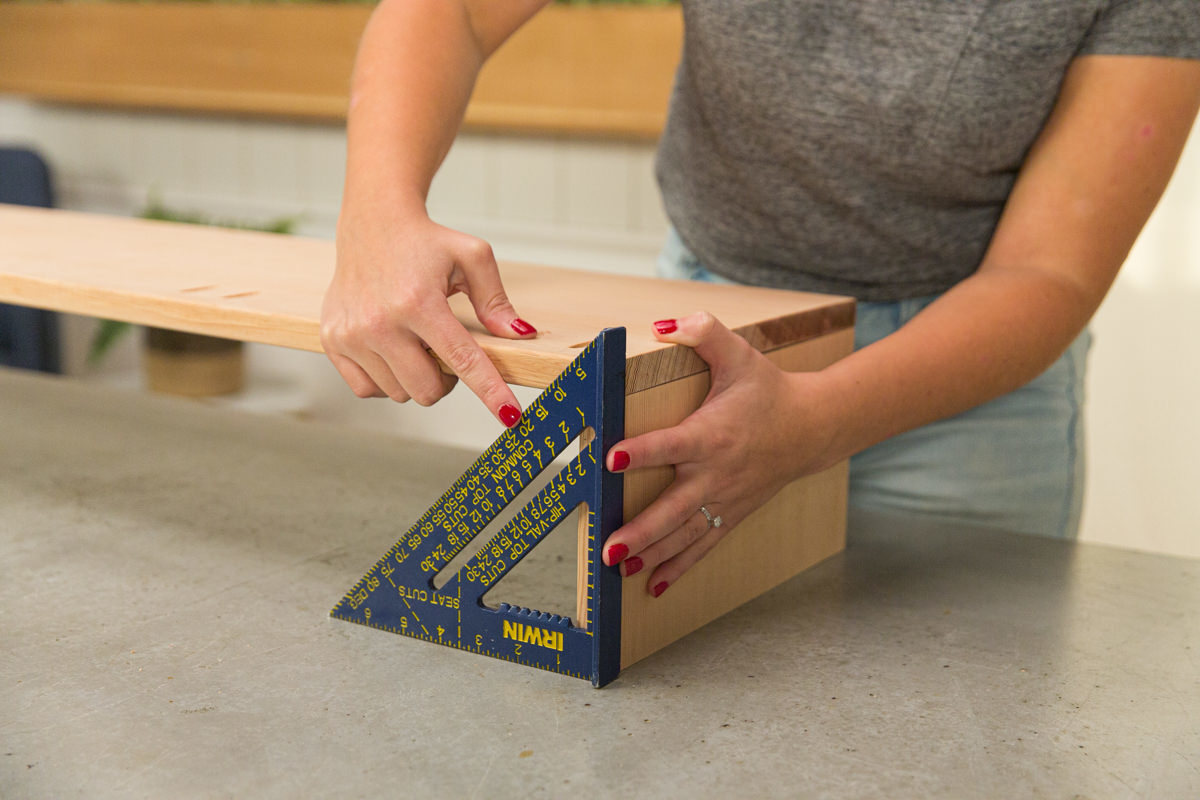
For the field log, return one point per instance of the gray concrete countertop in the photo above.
(166, 570)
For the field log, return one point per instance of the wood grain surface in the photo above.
(802, 525)
(260, 287)
(581, 70)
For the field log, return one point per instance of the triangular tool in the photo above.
(587, 401)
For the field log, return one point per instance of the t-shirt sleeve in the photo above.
(1169, 28)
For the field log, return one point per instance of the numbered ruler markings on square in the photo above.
(399, 595)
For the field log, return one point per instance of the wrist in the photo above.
(818, 422)
(390, 210)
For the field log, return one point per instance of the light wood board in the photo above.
(573, 70)
(267, 288)
(802, 525)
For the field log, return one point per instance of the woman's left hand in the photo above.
(757, 430)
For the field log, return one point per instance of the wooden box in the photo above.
(267, 288)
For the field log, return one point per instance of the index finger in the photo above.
(458, 350)
(663, 447)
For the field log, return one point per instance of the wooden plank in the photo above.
(271, 59)
(261, 287)
(581, 70)
(602, 69)
(802, 525)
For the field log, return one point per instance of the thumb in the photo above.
(720, 347)
(486, 292)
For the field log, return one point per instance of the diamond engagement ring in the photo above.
(713, 522)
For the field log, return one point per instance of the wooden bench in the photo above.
(267, 288)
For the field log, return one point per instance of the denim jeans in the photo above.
(1015, 462)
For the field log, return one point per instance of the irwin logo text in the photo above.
(528, 634)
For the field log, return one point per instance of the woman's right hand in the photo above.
(385, 311)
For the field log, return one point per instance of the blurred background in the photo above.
(233, 112)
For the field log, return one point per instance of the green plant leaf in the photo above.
(106, 336)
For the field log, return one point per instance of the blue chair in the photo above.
(28, 336)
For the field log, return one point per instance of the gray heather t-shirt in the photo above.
(867, 147)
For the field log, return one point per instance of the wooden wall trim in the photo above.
(590, 71)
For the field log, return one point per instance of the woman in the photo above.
(974, 173)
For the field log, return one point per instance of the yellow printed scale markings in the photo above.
(398, 593)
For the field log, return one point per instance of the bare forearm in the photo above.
(415, 70)
(385, 316)
(989, 335)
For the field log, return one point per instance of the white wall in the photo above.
(1144, 384)
(594, 205)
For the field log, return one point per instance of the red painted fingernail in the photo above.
(522, 327)
(616, 553)
(620, 460)
(666, 326)
(632, 566)
(510, 415)
(659, 588)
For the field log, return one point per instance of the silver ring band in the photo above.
(713, 522)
